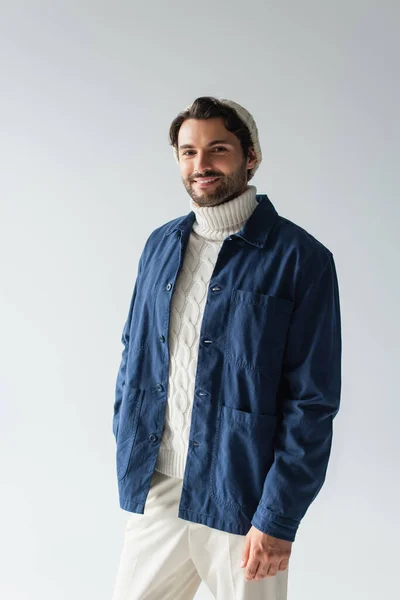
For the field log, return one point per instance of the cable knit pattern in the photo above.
(212, 225)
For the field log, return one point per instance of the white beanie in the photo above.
(248, 120)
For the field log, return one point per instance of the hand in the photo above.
(264, 555)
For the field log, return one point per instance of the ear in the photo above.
(251, 159)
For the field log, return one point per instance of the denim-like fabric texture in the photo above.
(268, 377)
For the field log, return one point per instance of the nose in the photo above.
(202, 162)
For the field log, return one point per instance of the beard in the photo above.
(226, 188)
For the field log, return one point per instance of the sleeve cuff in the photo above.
(269, 522)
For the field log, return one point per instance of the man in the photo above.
(229, 380)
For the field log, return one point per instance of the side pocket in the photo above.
(127, 428)
(243, 454)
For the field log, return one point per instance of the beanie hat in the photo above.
(248, 120)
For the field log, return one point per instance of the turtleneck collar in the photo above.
(217, 222)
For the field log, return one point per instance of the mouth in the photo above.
(206, 181)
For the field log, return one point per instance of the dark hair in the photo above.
(207, 107)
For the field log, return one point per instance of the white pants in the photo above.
(166, 558)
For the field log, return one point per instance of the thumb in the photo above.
(246, 551)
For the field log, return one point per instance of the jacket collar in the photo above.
(255, 231)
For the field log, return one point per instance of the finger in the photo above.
(283, 564)
(272, 571)
(262, 571)
(251, 569)
(246, 552)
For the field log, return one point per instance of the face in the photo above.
(207, 149)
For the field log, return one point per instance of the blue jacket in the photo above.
(268, 377)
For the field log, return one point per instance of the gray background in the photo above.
(88, 91)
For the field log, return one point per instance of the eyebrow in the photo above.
(209, 144)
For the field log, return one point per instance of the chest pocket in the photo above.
(256, 331)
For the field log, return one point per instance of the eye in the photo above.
(216, 148)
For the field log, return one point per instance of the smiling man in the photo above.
(229, 380)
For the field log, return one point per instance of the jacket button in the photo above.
(169, 286)
(162, 338)
(216, 288)
(159, 387)
(153, 438)
(208, 341)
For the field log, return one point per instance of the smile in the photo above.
(206, 181)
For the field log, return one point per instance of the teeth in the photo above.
(207, 180)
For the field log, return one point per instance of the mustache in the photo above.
(205, 177)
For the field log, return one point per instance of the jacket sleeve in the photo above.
(120, 382)
(309, 399)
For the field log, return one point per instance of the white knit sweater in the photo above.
(212, 225)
